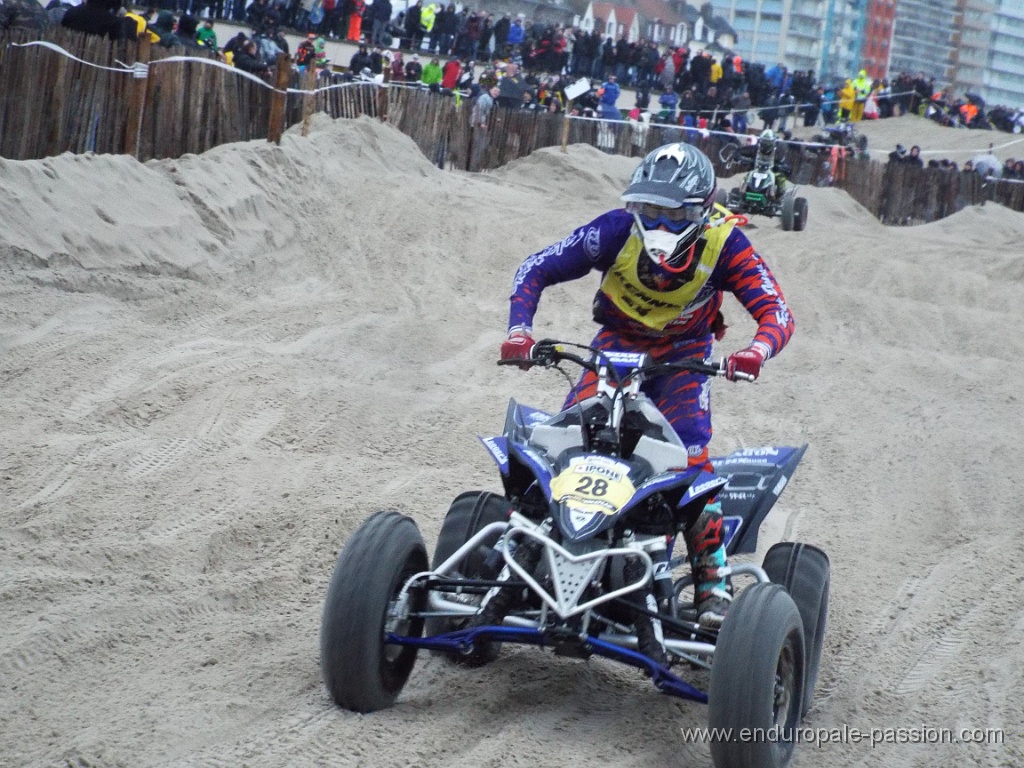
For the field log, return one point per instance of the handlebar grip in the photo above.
(545, 352)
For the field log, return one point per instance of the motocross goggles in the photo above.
(673, 219)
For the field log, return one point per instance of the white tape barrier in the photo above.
(140, 70)
(787, 107)
(705, 132)
(58, 49)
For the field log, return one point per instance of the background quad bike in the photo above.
(766, 657)
(792, 211)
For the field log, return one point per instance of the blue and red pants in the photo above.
(684, 398)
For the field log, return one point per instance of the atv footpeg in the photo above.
(565, 642)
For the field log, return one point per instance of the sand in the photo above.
(212, 369)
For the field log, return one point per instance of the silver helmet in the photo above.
(671, 196)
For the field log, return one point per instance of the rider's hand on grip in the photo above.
(518, 346)
(744, 365)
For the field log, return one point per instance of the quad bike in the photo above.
(577, 556)
(764, 191)
(760, 193)
(839, 135)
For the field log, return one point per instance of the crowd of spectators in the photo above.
(672, 84)
(985, 165)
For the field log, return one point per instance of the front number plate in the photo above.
(592, 484)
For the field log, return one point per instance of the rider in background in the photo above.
(763, 156)
(665, 268)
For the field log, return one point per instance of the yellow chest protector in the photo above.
(653, 308)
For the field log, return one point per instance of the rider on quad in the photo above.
(764, 162)
(665, 266)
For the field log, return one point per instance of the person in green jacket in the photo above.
(206, 36)
(432, 73)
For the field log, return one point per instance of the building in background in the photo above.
(662, 23)
(880, 17)
(804, 41)
(1003, 81)
(610, 20)
(668, 22)
(758, 25)
(843, 39)
(821, 35)
(922, 38)
(972, 44)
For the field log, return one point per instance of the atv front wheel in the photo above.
(799, 214)
(361, 671)
(757, 680)
(805, 572)
(467, 516)
(788, 212)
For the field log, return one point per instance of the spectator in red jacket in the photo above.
(450, 76)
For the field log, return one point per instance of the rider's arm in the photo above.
(592, 246)
(743, 272)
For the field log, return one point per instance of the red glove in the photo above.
(517, 346)
(747, 363)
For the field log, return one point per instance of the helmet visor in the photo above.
(673, 219)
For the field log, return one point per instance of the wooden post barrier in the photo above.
(308, 99)
(275, 129)
(565, 127)
(137, 104)
(55, 143)
(383, 96)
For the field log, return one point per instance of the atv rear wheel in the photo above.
(805, 572)
(468, 514)
(799, 214)
(757, 680)
(361, 671)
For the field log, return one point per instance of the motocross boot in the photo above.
(712, 588)
(494, 612)
(647, 638)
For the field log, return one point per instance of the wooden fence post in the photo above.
(137, 102)
(277, 102)
(565, 128)
(383, 95)
(308, 99)
(56, 137)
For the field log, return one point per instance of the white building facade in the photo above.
(823, 35)
(1004, 76)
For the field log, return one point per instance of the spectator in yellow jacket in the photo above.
(427, 16)
(847, 98)
(716, 72)
(140, 30)
(861, 91)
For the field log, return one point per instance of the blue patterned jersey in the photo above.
(597, 246)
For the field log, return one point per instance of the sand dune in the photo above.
(213, 369)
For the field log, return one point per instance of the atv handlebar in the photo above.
(549, 352)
